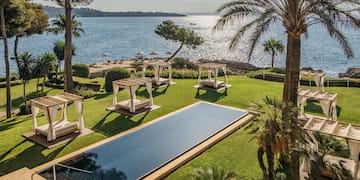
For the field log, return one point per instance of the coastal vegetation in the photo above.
(170, 31)
(88, 12)
(296, 17)
(279, 137)
(272, 46)
(17, 152)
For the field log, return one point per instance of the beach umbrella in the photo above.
(153, 53)
(139, 55)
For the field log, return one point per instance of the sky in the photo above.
(180, 6)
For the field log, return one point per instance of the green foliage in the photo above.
(86, 93)
(170, 31)
(59, 48)
(44, 64)
(25, 63)
(12, 78)
(58, 26)
(12, 83)
(39, 19)
(176, 74)
(17, 18)
(115, 74)
(213, 173)
(81, 70)
(272, 46)
(182, 63)
(25, 109)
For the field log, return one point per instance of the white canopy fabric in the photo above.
(50, 105)
(318, 77)
(327, 101)
(131, 84)
(158, 69)
(213, 70)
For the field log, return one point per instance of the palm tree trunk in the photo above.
(16, 43)
(270, 161)
(172, 56)
(68, 81)
(272, 59)
(37, 84)
(260, 154)
(290, 91)
(24, 92)
(43, 85)
(7, 64)
(292, 69)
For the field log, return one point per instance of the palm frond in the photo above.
(335, 33)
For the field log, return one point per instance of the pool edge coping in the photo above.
(192, 153)
(124, 133)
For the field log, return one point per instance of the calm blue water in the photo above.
(122, 37)
(141, 152)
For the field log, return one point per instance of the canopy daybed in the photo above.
(158, 80)
(50, 105)
(212, 81)
(339, 129)
(131, 84)
(327, 101)
(318, 77)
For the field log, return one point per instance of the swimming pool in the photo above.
(139, 153)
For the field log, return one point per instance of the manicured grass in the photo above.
(235, 153)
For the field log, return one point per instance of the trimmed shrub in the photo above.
(115, 74)
(81, 70)
(85, 93)
(12, 78)
(181, 63)
(12, 83)
(25, 110)
(89, 86)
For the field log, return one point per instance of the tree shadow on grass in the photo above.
(315, 107)
(16, 103)
(142, 92)
(211, 96)
(102, 95)
(117, 125)
(30, 157)
(10, 123)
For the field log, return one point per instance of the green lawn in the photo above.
(235, 152)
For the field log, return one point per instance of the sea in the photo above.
(120, 38)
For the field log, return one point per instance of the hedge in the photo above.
(180, 74)
(12, 83)
(335, 82)
(115, 74)
(81, 70)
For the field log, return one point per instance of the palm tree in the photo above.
(296, 16)
(58, 26)
(267, 129)
(24, 66)
(3, 3)
(272, 46)
(68, 81)
(59, 48)
(318, 164)
(213, 173)
(43, 65)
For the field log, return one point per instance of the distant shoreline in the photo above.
(87, 12)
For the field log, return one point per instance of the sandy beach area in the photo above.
(99, 69)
